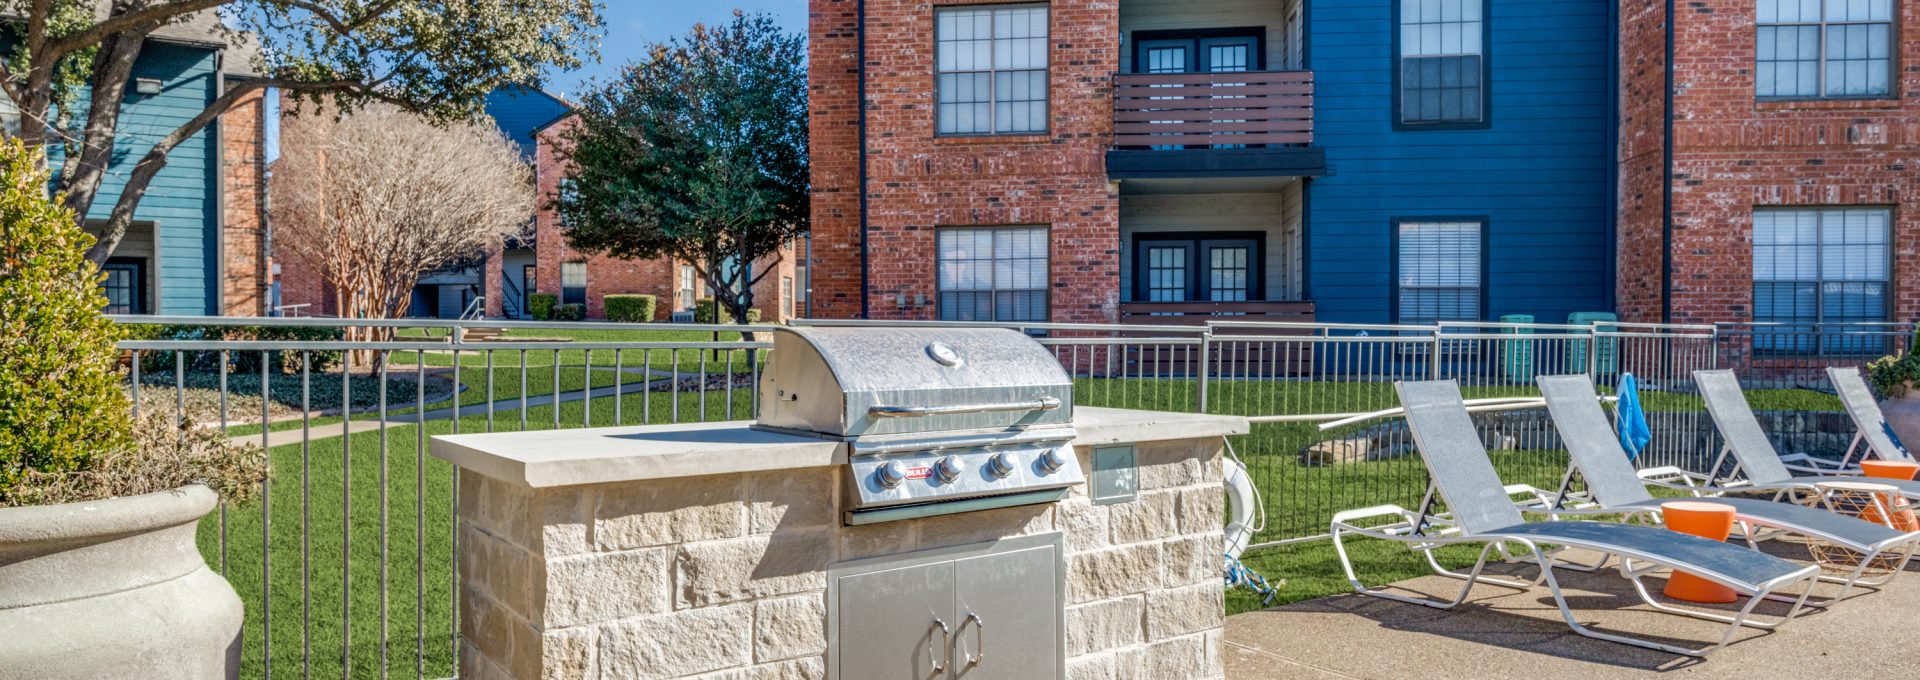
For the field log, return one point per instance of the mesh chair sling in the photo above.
(1612, 486)
(1480, 512)
(1757, 465)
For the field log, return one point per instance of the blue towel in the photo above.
(1629, 420)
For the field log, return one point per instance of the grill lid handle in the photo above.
(1041, 404)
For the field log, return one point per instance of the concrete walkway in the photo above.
(1503, 633)
(367, 422)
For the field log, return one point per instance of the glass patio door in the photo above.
(1196, 270)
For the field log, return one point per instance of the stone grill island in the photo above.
(914, 503)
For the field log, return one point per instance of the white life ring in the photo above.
(1242, 504)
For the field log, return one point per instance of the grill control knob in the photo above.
(949, 468)
(890, 474)
(1001, 464)
(1053, 460)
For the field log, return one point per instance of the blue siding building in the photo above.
(197, 243)
(1391, 225)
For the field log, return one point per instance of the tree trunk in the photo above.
(81, 174)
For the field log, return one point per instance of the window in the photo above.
(1439, 272)
(997, 274)
(1442, 67)
(687, 291)
(568, 194)
(125, 285)
(991, 65)
(786, 295)
(573, 283)
(1823, 48)
(1814, 266)
(1222, 267)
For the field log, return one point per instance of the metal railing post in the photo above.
(1206, 354)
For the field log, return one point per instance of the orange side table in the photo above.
(1889, 469)
(1902, 510)
(1711, 521)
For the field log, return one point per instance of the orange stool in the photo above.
(1711, 521)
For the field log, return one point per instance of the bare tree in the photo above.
(381, 196)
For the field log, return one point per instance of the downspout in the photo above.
(268, 295)
(216, 132)
(1666, 183)
(860, 53)
(1610, 298)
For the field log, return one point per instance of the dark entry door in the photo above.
(125, 285)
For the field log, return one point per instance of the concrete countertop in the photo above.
(549, 458)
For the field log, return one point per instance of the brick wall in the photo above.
(245, 274)
(614, 276)
(918, 183)
(1732, 153)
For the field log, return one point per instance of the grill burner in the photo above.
(936, 420)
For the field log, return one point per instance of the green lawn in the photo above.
(333, 488)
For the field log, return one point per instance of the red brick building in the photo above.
(547, 265)
(1788, 170)
(1051, 183)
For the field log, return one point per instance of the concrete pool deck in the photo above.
(1504, 633)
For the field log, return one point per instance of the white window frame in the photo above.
(1882, 14)
(947, 63)
(952, 277)
(1851, 245)
(1466, 273)
(566, 271)
(1422, 38)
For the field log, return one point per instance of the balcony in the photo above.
(1209, 125)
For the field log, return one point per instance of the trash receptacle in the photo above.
(1517, 355)
(1605, 354)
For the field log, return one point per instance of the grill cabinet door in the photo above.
(1015, 597)
(888, 626)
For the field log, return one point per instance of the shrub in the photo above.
(570, 312)
(541, 305)
(629, 308)
(60, 398)
(166, 455)
(705, 310)
(1893, 375)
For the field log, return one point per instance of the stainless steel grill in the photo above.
(936, 420)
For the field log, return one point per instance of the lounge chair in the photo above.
(1869, 424)
(1757, 465)
(1480, 512)
(1612, 486)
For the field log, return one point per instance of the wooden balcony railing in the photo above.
(1187, 110)
(1197, 313)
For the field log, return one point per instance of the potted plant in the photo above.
(99, 572)
(1894, 377)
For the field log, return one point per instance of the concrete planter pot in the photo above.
(1903, 416)
(114, 589)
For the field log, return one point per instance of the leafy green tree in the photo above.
(60, 399)
(438, 58)
(697, 152)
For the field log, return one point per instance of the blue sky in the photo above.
(634, 24)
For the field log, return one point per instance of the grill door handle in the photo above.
(979, 638)
(941, 662)
(1041, 404)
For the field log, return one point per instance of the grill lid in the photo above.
(850, 382)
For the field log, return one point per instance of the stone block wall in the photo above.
(725, 576)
